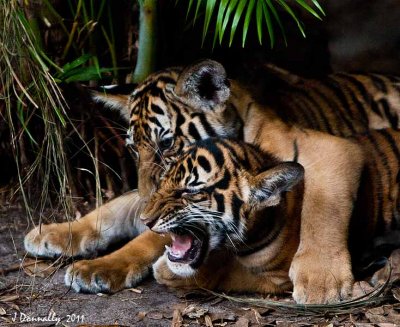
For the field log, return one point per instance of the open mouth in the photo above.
(186, 248)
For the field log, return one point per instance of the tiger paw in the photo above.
(321, 277)
(69, 239)
(164, 275)
(103, 275)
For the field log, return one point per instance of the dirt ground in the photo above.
(32, 293)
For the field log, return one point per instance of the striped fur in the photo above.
(233, 196)
(162, 109)
(310, 120)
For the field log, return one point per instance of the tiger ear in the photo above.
(204, 85)
(266, 188)
(118, 102)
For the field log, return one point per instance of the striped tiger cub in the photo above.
(310, 120)
(234, 213)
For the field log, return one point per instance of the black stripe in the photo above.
(339, 87)
(189, 162)
(392, 142)
(378, 181)
(339, 113)
(296, 151)
(219, 198)
(194, 132)
(206, 126)
(311, 120)
(204, 163)
(393, 119)
(157, 109)
(212, 147)
(378, 82)
(223, 183)
(180, 120)
(368, 100)
(314, 107)
(236, 205)
(166, 79)
(155, 121)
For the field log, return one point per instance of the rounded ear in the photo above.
(266, 188)
(204, 85)
(118, 102)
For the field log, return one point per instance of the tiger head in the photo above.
(170, 110)
(213, 196)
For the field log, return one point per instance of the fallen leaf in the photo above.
(242, 322)
(9, 298)
(257, 316)
(194, 312)
(141, 315)
(361, 288)
(208, 321)
(177, 318)
(221, 316)
(40, 269)
(156, 315)
(377, 311)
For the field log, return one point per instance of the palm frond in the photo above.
(232, 14)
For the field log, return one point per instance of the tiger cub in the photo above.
(234, 212)
(176, 107)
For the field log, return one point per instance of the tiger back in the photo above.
(178, 106)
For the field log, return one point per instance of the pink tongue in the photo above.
(182, 243)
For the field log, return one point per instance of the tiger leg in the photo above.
(95, 231)
(224, 273)
(321, 269)
(120, 269)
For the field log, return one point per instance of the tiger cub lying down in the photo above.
(234, 213)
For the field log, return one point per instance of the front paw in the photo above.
(164, 275)
(54, 240)
(103, 275)
(321, 276)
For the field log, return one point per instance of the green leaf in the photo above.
(249, 11)
(316, 4)
(308, 8)
(259, 16)
(197, 10)
(85, 74)
(270, 27)
(278, 20)
(76, 63)
(209, 11)
(236, 18)
(223, 5)
(229, 11)
(291, 13)
(189, 7)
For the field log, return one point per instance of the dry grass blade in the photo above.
(29, 93)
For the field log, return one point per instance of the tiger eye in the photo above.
(166, 143)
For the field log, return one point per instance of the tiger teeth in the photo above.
(168, 248)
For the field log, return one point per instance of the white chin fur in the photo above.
(180, 269)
